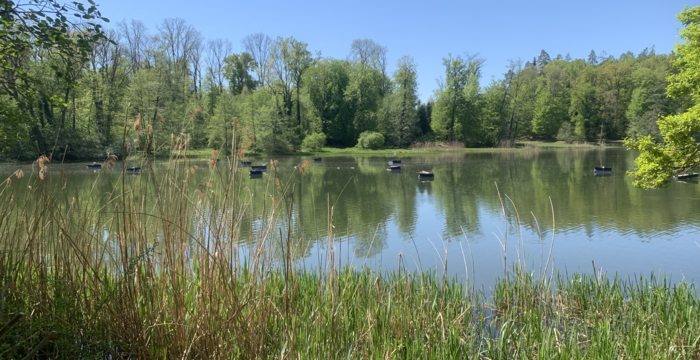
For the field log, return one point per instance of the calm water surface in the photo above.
(381, 214)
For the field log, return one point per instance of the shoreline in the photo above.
(205, 153)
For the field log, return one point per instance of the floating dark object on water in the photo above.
(134, 171)
(318, 160)
(394, 168)
(602, 169)
(94, 166)
(259, 168)
(687, 176)
(245, 163)
(255, 173)
(688, 181)
(394, 162)
(426, 175)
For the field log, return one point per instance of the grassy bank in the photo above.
(157, 268)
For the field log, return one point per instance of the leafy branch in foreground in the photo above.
(680, 150)
(61, 34)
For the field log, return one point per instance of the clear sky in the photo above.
(429, 30)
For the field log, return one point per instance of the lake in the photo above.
(377, 215)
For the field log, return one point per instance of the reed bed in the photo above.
(438, 145)
(157, 269)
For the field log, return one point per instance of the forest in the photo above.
(280, 96)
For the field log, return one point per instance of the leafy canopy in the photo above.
(680, 150)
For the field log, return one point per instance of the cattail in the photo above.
(137, 124)
(19, 173)
(212, 163)
(42, 172)
(277, 181)
(214, 155)
(150, 130)
(9, 181)
(172, 137)
(200, 193)
(42, 160)
(304, 165)
(196, 167)
(198, 109)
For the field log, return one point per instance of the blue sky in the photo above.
(428, 31)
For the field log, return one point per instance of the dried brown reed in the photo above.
(137, 124)
(304, 165)
(42, 160)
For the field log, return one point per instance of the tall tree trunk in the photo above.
(73, 111)
(38, 139)
(298, 109)
(452, 117)
(63, 112)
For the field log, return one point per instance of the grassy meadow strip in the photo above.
(158, 269)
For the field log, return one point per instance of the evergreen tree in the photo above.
(542, 60)
(424, 117)
(592, 58)
(402, 116)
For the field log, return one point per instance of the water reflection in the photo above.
(382, 213)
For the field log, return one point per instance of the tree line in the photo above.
(278, 96)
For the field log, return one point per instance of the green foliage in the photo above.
(326, 84)
(567, 133)
(400, 115)
(238, 72)
(314, 142)
(72, 86)
(455, 114)
(548, 114)
(220, 127)
(370, 140)
(363, 96)
(680, 150)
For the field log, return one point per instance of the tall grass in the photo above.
(158, 269)
(438, 145)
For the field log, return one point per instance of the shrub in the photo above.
(567, 133)
(314, 142)
(370, 140)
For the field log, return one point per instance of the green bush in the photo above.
(314, 142)
(370, 140)
(567, 133)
